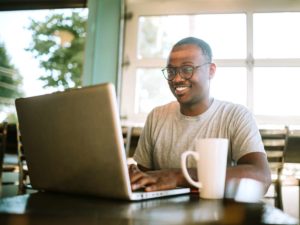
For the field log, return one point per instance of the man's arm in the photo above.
(253, 165)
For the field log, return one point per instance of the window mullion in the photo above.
(250, 62)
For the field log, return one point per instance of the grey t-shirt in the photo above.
(168, 133)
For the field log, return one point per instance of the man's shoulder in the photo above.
(230, 112)
(230, 106)
(163, 112)
(167, 108)
(161, 115)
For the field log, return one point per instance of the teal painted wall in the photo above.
(102, 44)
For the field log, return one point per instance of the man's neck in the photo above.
(196, 109)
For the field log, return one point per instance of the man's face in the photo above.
(195, 90)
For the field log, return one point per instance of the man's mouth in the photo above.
(181, 89)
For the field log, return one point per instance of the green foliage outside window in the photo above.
(10, 80)
(58, 44)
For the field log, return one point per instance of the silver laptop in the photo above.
(73, 143)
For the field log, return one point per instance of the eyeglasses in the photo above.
(185, 72)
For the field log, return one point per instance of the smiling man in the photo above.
(173, 128)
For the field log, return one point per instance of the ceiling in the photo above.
(6, 5)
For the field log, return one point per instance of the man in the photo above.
(173, 128)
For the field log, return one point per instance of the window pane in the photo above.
(151, 90)
(157, 34)
(276, 35)
(276, 91)
(226, 34)
(230, 84)
(41, 51)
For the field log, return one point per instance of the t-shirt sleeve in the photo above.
(143, 152)
(245, 137)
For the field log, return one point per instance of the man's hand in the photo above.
(154, 180)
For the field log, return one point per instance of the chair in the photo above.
(274, 141)
(290, 173)
(8, 166)
(131, 135)
(127, 131)
(292, 151)
(291, 167)
(3, 138)
(24, 181)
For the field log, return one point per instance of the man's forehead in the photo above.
(186, 52)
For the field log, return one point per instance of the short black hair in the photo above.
(206, 49)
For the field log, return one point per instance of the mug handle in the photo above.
(184, 168)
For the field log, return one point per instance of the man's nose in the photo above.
(177, 76)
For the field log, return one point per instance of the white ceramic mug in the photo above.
(211, 157)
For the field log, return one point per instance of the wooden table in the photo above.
(52, 208)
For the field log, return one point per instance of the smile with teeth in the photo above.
(180, 89)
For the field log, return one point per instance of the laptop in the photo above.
(73, 143)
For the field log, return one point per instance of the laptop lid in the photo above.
(73, 143)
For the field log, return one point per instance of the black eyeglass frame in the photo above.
(178, 70)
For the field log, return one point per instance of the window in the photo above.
(151, 90)
(156, 35)
(277, 91)
(230, 84)
(257, 57)
(25, 66)
(275, 36)
(276, 72)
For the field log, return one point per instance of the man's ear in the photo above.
(212, 70)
